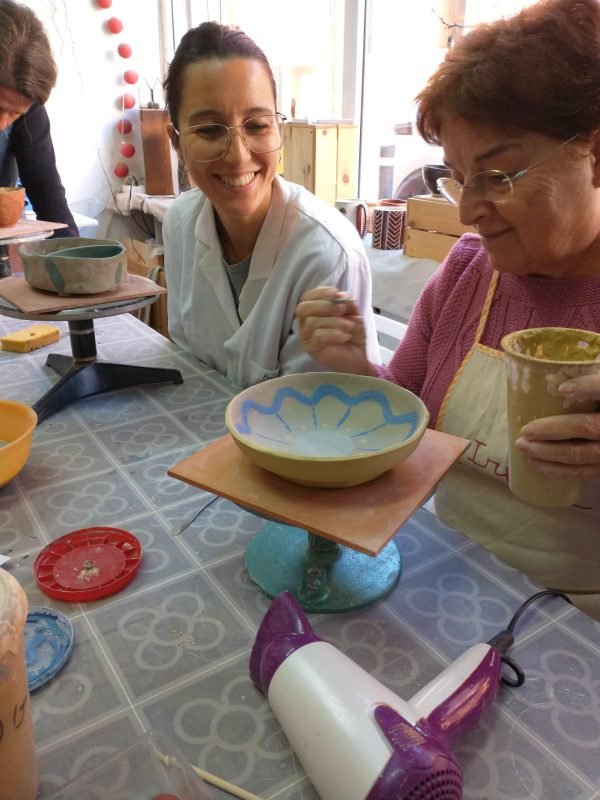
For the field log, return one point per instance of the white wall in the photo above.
(82, 108)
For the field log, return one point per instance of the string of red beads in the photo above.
(125, 101)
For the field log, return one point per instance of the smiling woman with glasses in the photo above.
(242, 246)
(516, 107)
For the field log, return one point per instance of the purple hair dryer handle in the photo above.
(420, 764)
(454, 701)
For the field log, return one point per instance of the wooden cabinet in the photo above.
(323, 158)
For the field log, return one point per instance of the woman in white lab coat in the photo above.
(242, 247)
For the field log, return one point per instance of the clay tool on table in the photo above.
(209, 777)
(187, 519)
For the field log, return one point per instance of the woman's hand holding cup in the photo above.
(553, 389)
(566, 445)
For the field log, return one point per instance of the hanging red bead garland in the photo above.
(130, 76)
(114, 25)
(124, 126)
(127, 149)
(121, 170)
(126, 100)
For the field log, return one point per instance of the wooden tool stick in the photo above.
(220, 783)
(209, 777)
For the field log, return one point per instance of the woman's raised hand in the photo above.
(567, 445)
(332, 330)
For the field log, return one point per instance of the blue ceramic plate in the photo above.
(48, 643)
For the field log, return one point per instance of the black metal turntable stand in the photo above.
(82, 374)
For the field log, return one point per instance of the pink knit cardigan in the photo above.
(444, 321)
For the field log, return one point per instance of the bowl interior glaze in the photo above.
(327, 428)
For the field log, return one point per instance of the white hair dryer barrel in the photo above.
(355, 738)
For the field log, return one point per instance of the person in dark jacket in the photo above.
(27, 76)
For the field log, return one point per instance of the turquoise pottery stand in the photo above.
(325, 577)
(333, 550)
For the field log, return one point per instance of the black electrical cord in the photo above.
(503, 641)
(529, 601)
(143, 226)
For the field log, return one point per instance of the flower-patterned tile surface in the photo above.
(170, 650)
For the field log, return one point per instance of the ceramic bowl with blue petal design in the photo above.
(327, 429)
(74, 265)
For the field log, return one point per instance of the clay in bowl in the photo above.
(326, 429)
(12, 203)
(74, 265)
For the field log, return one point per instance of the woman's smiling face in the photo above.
(229, 91)
(550, 224)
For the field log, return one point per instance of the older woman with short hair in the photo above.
(516, 107)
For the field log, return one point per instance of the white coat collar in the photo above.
(210, 262)
(267, 244)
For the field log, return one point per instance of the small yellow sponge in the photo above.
(30, 338)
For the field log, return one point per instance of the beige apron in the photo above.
(557, 548)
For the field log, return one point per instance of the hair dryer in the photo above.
(355, 738)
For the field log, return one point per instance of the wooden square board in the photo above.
(364, 517)
(25, 298)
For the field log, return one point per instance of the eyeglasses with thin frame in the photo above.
(210, 142)
(492, 184)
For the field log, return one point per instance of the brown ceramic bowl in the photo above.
(12, 203)
(326, 429)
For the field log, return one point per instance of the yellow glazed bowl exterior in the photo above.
(327, 429)
(17, 422)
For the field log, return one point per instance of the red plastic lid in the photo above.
(88, 564)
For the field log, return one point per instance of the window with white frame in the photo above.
(364, 60)
(313, 47)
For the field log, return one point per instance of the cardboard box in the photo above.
(432, 227)
(428, 244)
(429, 213)
(147, 260)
